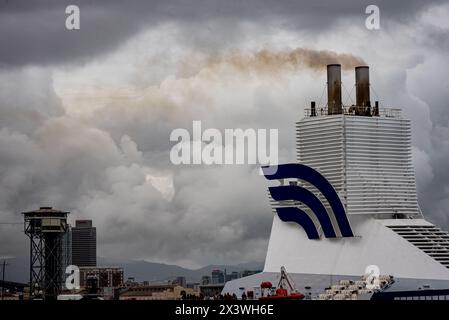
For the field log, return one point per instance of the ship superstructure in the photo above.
(364, 152)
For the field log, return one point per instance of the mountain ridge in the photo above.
(18, 269)
(143, 270)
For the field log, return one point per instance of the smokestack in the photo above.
(334, 89)
(362, 86)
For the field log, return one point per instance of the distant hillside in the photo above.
(151, 271)
(18, 270)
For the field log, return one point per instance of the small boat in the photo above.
(281, 293)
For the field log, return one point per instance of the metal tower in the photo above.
(46, 228)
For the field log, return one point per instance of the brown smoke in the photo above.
(196, 72)
(270, 61)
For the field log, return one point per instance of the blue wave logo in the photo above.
(301, 194)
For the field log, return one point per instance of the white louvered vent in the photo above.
(368, 160)
(430, 239)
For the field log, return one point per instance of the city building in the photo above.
(211, 290)
(234, 275)
(158, 292)
(84, 244)
(247, 273)
(193, 285)
(104, 277)
(206, 280)
(131, 282)
(66, 249)
(218, 276)
(180, 281)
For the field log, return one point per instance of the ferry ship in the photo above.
(347, 210)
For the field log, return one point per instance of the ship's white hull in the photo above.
(320, 263)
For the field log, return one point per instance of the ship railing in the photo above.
(386, 112)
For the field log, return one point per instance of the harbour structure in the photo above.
(46, 228)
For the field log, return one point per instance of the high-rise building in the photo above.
(218, 276)
(66, 249)
(84, 244)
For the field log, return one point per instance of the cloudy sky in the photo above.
(86, 115)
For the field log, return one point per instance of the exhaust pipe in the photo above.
(334, 105)
(362, 87)
(312, 109)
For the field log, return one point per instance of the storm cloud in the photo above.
(32, 31)
(86, 115)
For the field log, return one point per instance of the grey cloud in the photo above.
(105, 164)
(434, 196)
(34, 31)
(27, 99)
